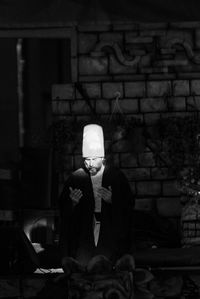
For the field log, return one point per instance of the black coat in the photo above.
(76, 229)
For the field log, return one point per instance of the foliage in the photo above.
(180, 141)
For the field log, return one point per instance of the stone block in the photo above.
(153, 26)
(188, 75)
(116, 67)
(127, 77)
(162, 76)
(123, 26)
(193, 103)
(121, 146)
(93, 90)
(84, 118)
(181, 87)
(94, 27)
(176, 103)
(169, 206)
(80, 107)
(181, 62)
(63, 91)
(185, 25)
(145, 62)
(138, 117)
(134, 89)
(177, 114)
(111, 36)
(145, 204)
(151, 118)
(167, 51)
(147, 70)
(95, 78)
(184, 35)
(158, 88)
(195, 87)
(148, 188)
(131, 38)
(126, 106)
(197, 38)
(128, 160)
(111, 89)
(137, 174)
(153, 105)
(93, 66)
(102, 106)
(61, 107)
(146, 159)
(136, 51)
(160, 173)
(155, 32)
(170, 188)
(86, 42)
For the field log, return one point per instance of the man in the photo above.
(96, 206)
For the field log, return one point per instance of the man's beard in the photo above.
(93, 170)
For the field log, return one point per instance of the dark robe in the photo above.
(76, 225)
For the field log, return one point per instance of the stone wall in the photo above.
(143, 71)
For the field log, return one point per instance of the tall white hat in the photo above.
(93, 141)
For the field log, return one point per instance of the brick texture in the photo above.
(195, 87)
(63, 92)
(193, 103)
(126, 105)
(92, 66)
(137, 174)
(158, 88)
(169, 189)
(164, 82)
(151, 188)
(153, 105)
(86, 42)
(110, 90)
(93, 90)
(177, 103)
(129, 160)
(135, 89)
(181, 88)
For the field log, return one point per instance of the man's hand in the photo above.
(106, 194)
(75, 195)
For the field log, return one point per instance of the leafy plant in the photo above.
(180, 139)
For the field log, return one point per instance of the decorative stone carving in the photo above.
(195, 58)
(103, 46)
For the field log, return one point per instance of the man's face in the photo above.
(93, 164)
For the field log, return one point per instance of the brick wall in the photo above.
(156, 70)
